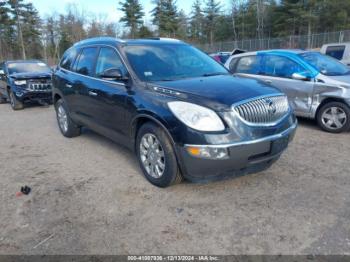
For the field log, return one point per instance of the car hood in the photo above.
(219, 92)
(31, 75)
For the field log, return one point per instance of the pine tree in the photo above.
(197, 20)
(132, 15)
(212, 10)
(165, 16)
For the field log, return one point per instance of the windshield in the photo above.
(171, 62)
(27, 67)
(325, 65)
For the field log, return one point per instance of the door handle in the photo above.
(268, 81)
(92, 93)
(69, 86)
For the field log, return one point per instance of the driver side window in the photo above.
(280, 66)
(108, 58)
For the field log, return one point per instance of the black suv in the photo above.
(182, 112)
(25, 81)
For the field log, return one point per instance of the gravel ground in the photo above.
(89, 197)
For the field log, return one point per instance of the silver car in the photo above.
(317, 86)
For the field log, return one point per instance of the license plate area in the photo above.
(279, 145)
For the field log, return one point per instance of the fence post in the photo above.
(341, 37)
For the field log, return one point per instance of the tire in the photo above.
(67, 127)
(170, 172)
(14, 102)
(334, 117)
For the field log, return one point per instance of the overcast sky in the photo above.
(108, 8)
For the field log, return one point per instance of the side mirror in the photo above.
(113, 74)
(298, 76)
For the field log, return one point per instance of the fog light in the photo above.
(208, 152)
(19, 94)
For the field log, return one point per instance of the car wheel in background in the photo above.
(156, 156)
(334, 117)
(14, 102)
(67, 126)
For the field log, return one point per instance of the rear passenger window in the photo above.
(280, 66)
(248, 65)
(108, 59)
(68, 59)
(86, 61)
(336, 51)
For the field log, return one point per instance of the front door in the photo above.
(277, 71)
(109, 96)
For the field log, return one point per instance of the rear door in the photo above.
(278, 70)
(82, 81)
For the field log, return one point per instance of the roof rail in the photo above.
(99, 38)
(162, 38)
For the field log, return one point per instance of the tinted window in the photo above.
(325, 64)
(280, 66)
(249, 65)
(86, 61)
(107, 59)
(27, 67)
(170, 62)
(68, 59)
(336, 51)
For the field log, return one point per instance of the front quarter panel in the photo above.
(329, 89)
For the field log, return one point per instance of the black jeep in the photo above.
(24, 81)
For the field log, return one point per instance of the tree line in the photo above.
(24, 34)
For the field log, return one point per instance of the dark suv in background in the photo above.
(182, 112)
(24, 81)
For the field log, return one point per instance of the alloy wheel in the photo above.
(334, 118)
(152, 155)
(62, 118)
(12, 99)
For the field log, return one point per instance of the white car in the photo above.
(340, 51)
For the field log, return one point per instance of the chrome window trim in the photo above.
(236, 114)
(95, 78)
(255, 141)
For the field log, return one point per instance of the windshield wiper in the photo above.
(214, 74)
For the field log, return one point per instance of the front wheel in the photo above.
(334, 117)
(67, 126)
(14, 102)
(156, 156)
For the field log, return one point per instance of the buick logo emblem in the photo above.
(271, 107)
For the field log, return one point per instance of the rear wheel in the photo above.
(156, 156)
(14, 102)
(334, 117)
(67, 126)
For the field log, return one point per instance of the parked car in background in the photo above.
(221, 57)
(339, 51)
(183, 113)
(24, 81)
(317, 86)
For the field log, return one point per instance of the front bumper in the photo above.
(244, 157)
(33, 96)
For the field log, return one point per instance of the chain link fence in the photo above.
(312, 41)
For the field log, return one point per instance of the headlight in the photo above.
(20, 82)
(196, 117)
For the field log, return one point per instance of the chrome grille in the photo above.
(266, 110)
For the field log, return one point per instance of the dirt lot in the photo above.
(88, 196)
